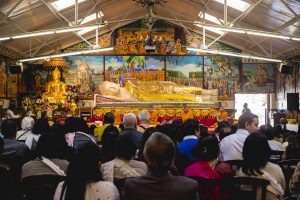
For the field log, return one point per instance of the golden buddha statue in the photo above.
(156, 91)
(56, 89)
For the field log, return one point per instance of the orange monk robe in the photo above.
(117, 117)
(187, 115)
(222, 116)
(153, 117)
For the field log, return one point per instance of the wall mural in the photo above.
(118, 69)
(258, 78)
(222, 73)
(3, 78)
(86, 72)
(185, 70)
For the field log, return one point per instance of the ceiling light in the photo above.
(67, 54)
(32, 34)
(268, 35)
(232, 54)
(295, 38)
(226, 29)
(5, 38)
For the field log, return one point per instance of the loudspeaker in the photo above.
(15, 69)
(292, 101)
(287, 69)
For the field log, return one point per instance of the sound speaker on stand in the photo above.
(15, 69)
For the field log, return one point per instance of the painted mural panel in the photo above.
(86, 72)
(185, 70)
(221, 72)
(2, 80)
(12, 85)
(118, 69)
(258, 78)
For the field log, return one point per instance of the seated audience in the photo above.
(231, 147)
(207, 152)
(123, 166)
(224, 132)
(109, 140)
(292, 150)
(192, 133)
(77, 132)
(26, 125)
(148, 132)
(40, 127)
(269, 132)
(109, 119)
(129, 121)
(256, 153)
(295, 182)
(158, 183)
(84, 179)
(52, 154)
(144, 118)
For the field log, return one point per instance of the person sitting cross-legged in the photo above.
(158, 183)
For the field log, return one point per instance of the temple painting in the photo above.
(185, 70)
(2, 80)
(221, 72)
(12, 85)
(258, 78)
(119, 69)
(85, 72)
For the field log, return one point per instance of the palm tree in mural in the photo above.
(198, 64)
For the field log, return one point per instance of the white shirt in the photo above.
(231, 147)
(274, 145)
(10, 115)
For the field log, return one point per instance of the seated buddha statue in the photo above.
(156, 91)
(56, 89)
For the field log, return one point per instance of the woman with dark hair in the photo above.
(207, 152)
(109, 139)
(256, 153)
(123, 165)
(84, 179)
(269, 132)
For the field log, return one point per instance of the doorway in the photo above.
(257, 103)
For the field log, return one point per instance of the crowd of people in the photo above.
(154, 162)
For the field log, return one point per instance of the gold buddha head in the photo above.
(56, 74)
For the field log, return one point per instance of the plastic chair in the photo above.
(40, 186)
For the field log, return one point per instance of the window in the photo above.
(236, 4)
(62, 4)
(86, 20)
(214, 20)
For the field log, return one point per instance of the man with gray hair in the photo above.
(158, 183)
(129, 121)
(144, 118)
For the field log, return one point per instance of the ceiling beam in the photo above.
(288, 7)
(11, 10)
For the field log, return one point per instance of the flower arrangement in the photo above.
(71, 92)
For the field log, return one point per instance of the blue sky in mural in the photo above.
(185, 64)
(95, 62)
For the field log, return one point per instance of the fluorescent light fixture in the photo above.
(84, 31)
(62, 4)
(295, 38)
(225, 29)
(4, 38)
(210, 28)
(232, 54)
(67, 54)
(32, 34)
(236, 4)
(69, 30)
(268, 35)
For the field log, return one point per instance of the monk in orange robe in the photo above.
(222, 115)
(187, 114)
(153, 116)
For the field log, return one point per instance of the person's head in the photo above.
(129, 120)
(109, 140)
(234, 127)
(53, 143)
(224, 132)
(109, 118)
(11, 106)
(159, 153)
(144, 117)
(268, 131)
(84, 169)
(125, 147)
(92, 129)
(248, 121)
(186, 109)
(207, 148)
(221, 109)
(203, 131)
(70, 125)
(283, 121)
(191, 127)
(27, 123)
(245, 105)
(41, 126)
(9, 129)
(256, 153)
